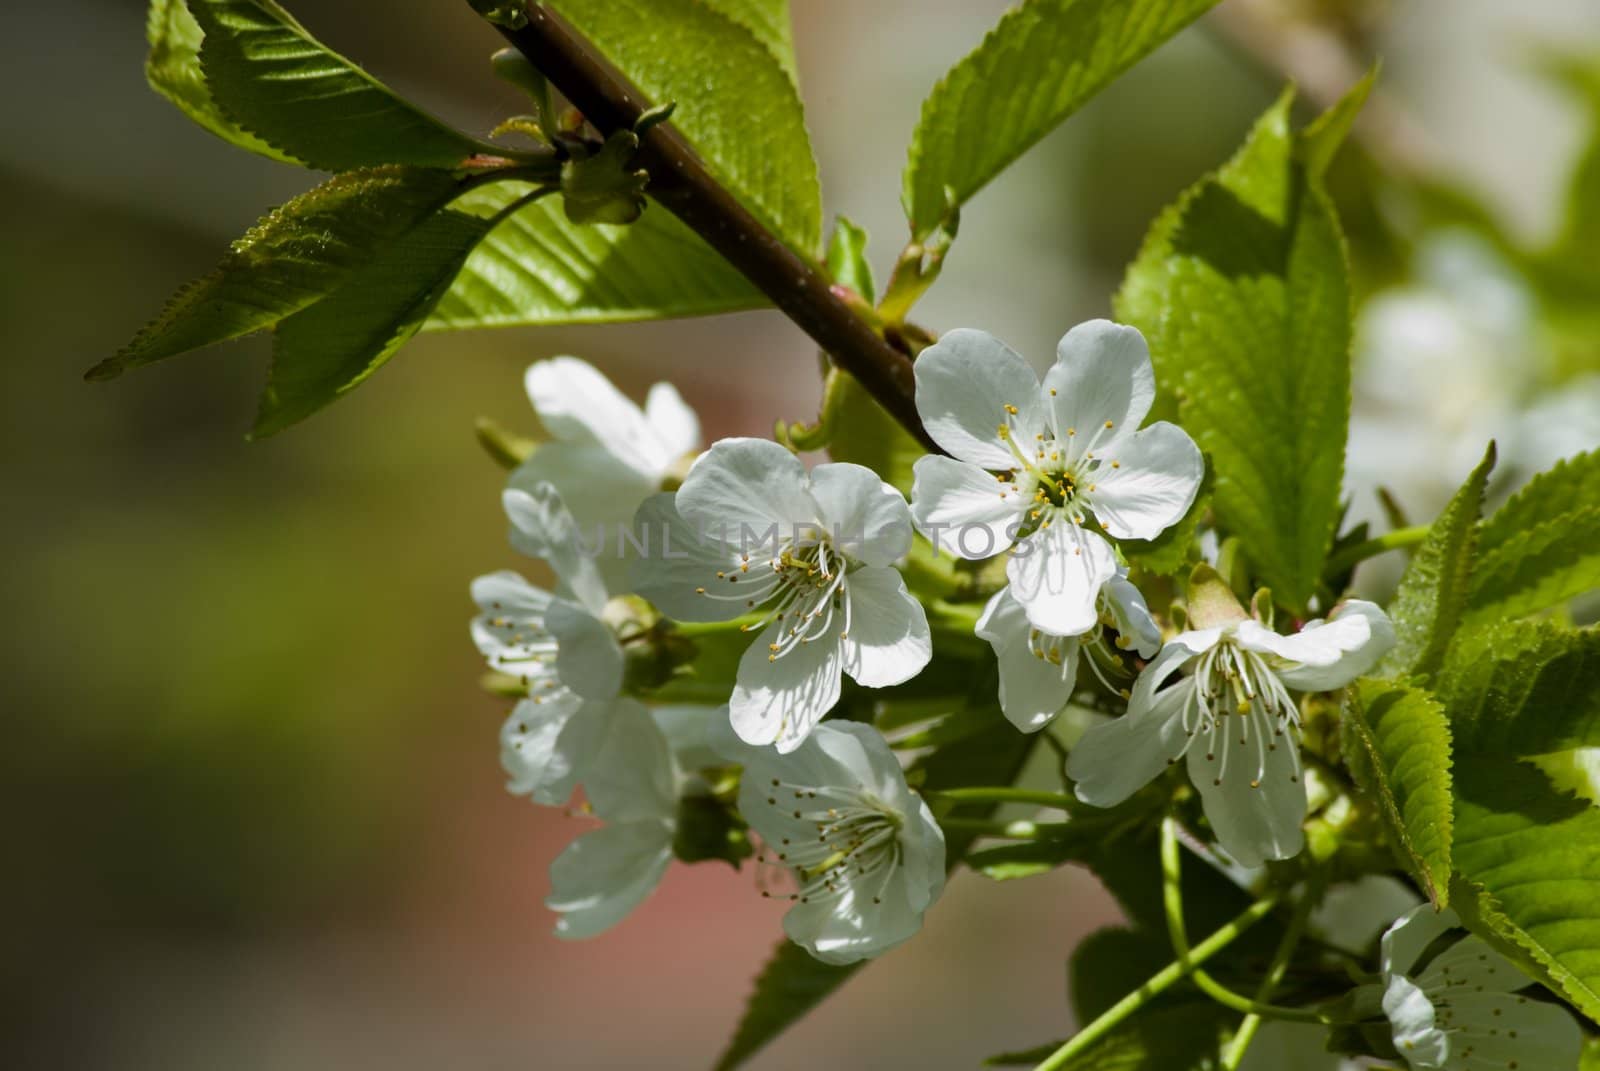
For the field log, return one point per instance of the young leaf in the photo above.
(1040, 63)
(297, 255)
(321, 352)
(736, 102)
(1529, 860)
(847, 260)
(1542, 547)
(271, 78)
(862, 432)
(1433, 592)
(173, 70)
(1242, 289)
(537, 267)
(1396, 742)
(1523, 688)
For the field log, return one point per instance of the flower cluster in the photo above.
(758, 584)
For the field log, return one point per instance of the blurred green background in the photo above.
(257, 814)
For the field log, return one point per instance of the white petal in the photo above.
(1253, 824)
(604, 875)
(600, 494)
(745, 488)
(1411, 1021)
(679, 574)
(1032, 689)
(866, 517)
(1494, 1031)
(1470, 964)
(688, 729)
(888, 641)
(1117, 758)
(965, 381)
(588, 659)
(675, 425)
(1102, 372)
(510, 627)
(543, 527)
(851, 928)
(1152, 485)
(531, 750)
(578, 404)
(630, 773)
(779, 700)
(1328, 655)
(1180, 649)
(1134, 621)
(1057, 573)
(962, 509)
(860, 756)
(1404, 942)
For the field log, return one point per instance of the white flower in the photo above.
(607, 455)
(1459, 1009)
(558, 645)
(1038, 669)
(632, 782)
(1031, 464)
(867, 856)
(751, 530)
(1234, 719)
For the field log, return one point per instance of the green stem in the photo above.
(1058, 800)
(1395, 540)
(1275, 971)
(988, 827)
(1158, 983)
(1172, 900)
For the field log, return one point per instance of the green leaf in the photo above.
(1433, 592)
(537, 267)
(1543, 546)
(1179, 1037)
(1109, 964)
(791, 984)
(270, 77)
(330, 348)
(297, 255)
(1396, 742)
(1243, 290)
(847, 260)
(1530, 859)
(737, 104)
(1040, 63)
(769, 22)
(173, 70)
(1523, 688)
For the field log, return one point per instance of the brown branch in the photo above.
(680, 183)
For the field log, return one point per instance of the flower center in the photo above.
(529, 654)
(1237, 702)
(802, 584)
(856, 848)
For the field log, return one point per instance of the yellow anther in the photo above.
(1011, 409)
(1052, 392)
(1116, 464)
(1108, 425)
(1072, 431)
